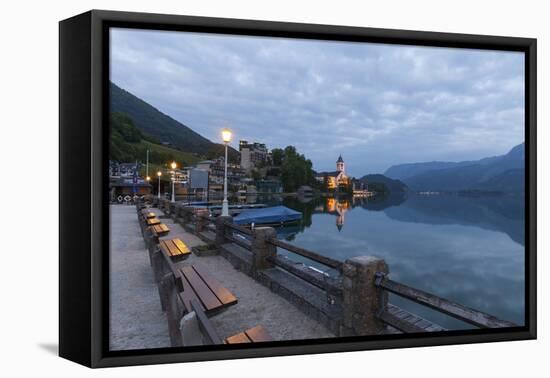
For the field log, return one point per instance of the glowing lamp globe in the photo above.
(226, 135)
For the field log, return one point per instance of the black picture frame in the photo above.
(83, 227)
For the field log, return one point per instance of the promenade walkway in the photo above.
(136, 319)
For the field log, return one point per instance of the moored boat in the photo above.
(275, 215)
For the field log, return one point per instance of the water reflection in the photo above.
(467, 249)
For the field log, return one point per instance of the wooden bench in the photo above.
(160, 229)
(153, 221)
(210, 336)
(175, 248)
(198, 284)
(147, 214)
(256, 334)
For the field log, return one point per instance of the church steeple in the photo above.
(340, 164)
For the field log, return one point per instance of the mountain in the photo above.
(498, 173)
(393, 186)
(129, 144)
(165, 129)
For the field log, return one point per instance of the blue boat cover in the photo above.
(275, 214)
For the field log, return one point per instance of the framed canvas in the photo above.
(233, 188)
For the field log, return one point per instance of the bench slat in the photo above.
(258, 334)
(187, 295)
(223, 294)
(174, 251)
(239, 338)
(181, 246)
(206, 296)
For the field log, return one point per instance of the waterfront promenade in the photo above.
(136, 319)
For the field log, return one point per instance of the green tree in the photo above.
(277, 156)
(296, 170)
(123, 125)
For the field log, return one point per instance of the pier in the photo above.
(349, 299)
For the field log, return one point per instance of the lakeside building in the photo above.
(216, 170)
(253, 154)
(269, 186)
(335, 179)
(117, 169)
(121, 187)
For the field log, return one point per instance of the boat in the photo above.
(275, 215)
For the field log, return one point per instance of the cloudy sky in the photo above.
(375, 104)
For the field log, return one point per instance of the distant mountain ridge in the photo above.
(155, 123)
(393, 186)
(504, 173)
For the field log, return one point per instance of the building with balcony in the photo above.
(253, 154)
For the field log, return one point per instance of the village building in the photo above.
(335, 179)
(253, 155)
(216, 169)
(117, 169)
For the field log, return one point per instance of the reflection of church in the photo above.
(338, 208)
(336, 178)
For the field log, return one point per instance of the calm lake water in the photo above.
(466, 249)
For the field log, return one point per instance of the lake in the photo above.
(467, 249)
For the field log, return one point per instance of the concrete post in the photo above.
(200, 221)
(261, 249)
(362, 299)
(157, 263)
(169, 302)
(220, 229)
(174, 211)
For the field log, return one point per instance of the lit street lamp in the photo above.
(159, 173)
(226, 136)
(173, 165)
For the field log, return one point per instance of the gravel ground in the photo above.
(136, 319)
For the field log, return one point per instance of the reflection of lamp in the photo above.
(226, 136)
(173, 165)
(159, 173)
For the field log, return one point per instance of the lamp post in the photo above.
(173, 165)
(147, 166)
(159, 173)
(226, 136)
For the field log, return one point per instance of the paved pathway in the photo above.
(136, 320)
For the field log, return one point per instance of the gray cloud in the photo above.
(375, 104)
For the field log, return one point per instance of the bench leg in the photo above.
(169, 293)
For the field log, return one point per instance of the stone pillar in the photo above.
(261, 249)
(362, 299)
(220, 229)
